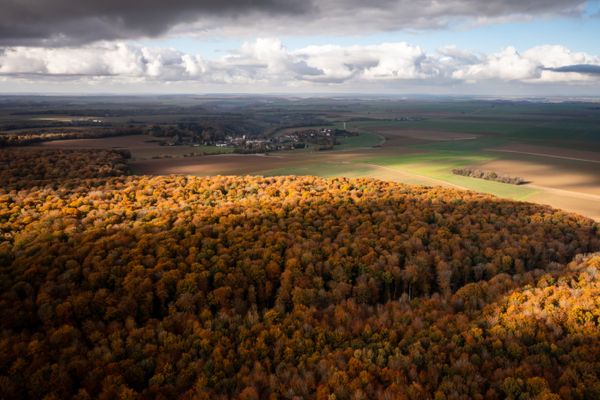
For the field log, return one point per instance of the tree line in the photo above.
(489, 175)
(23, 139)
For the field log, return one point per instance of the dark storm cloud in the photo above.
(59, 22)
(54, 22)
(588, 69)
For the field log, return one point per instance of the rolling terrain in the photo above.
(285, 287)
(553, 146)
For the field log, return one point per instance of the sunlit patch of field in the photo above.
(439, 165)
(324, 169)
(565, 201)
(351, 170)
(561, 182)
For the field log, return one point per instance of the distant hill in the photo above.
(250, 287)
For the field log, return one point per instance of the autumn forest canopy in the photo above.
(116, 286)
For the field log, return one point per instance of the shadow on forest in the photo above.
(426, 289)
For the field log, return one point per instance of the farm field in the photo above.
(142, 147)
(568, 175)
(406, 165)
(421, 134)
(569, 184)
(363, 140)
(552, 152)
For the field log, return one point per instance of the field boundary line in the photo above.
(546, 155)
(571, 193)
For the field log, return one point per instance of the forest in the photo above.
(126, 287)
(9, 139)
(24, 168)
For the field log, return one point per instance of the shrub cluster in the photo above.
(488, 175)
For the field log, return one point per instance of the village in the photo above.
(320, 139)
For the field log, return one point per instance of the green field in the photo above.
(439, 165)
(364, 139)
(570, 132)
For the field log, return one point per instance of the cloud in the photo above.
(540, 64)
(506, 65)
(267, 61)
(578, 68)
(70, 22)
(381, 62)
(99, 60)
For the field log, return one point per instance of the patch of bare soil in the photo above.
(553, 173)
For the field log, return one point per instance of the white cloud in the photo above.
(268, 61)
(557, 56)
(102, 59)
(506, 65)
(194, 66)
(531, 66)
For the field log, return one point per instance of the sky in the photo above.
(451, 47)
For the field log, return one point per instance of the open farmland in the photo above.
(554, 147)
(426, 135)
(142, 147)
(551, 152)
(407, 165)
(569, 175)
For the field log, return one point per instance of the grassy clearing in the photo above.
(496, 188)
(439, 164)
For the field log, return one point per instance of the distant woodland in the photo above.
(24, 168)
(40, 135)
(125, 287)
